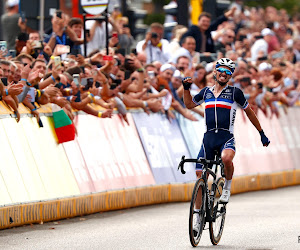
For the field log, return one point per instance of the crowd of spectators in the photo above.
(146, 74)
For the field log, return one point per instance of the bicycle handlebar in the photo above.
(201, 161)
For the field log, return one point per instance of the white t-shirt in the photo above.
(259, 45)
(99, 39)
(155, 53)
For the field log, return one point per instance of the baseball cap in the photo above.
(167, 66)
(11, 3)
(267, 31)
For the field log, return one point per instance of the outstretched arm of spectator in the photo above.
(214, 25)
(50, 80)
(72, 35)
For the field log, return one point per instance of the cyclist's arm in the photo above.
(241, 100)
(188, 99)
(253, 118)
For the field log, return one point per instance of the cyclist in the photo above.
(221, 101)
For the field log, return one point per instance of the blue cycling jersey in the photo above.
(220, 111)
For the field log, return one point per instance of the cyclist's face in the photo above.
(222, 77)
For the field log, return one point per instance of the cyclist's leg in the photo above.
(228, 153)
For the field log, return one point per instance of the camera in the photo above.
(58, 13)
(154, 35)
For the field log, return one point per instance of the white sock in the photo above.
(227, 184)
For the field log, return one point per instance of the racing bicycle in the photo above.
(211, 210)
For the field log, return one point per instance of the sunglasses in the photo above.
(222, 70)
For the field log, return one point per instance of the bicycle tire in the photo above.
(195, 239)
(218, 214)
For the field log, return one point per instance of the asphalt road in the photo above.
(257, 220)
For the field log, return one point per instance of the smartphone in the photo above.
(151, 74)
(57, 60)
(22, 15)
(107, 58)
(4, 81)
(37, 44)
(12, 53)
(296, 82)
(83, 81)
(58, 13)
(62, 49)
(87, 32)
(3, 47)
(114, 34)
(76, 79)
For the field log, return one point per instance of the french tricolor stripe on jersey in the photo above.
(219, 103)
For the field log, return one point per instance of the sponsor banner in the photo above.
(112, 152)
(164, 147)
(78, 165)
(52, 163)
(289, 122)
(192, 132)
(251, 157)
(12, 188)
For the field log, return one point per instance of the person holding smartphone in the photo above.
(62, 34)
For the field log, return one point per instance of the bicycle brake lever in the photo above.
(180, 166)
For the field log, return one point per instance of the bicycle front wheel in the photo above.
(218, 214)
(197, 212)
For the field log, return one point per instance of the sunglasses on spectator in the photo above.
(222, 70)
(230, 36)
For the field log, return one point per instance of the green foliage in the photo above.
(292, 6)
(154, 18)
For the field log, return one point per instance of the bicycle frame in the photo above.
(206, 171)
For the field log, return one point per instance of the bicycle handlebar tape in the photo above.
(186, 85)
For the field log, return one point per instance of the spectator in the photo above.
(76, 25)
(9, 20)
(226, 41)
(126, 40)
(62, 34)
(187, 50)
(177, 33)
(97, 34)
(154, 45)
(201, 32)
(261, 44)
(35, 47)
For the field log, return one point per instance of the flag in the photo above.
(64, 128)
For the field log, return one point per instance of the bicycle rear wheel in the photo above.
(218, 214)
(197, 218)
